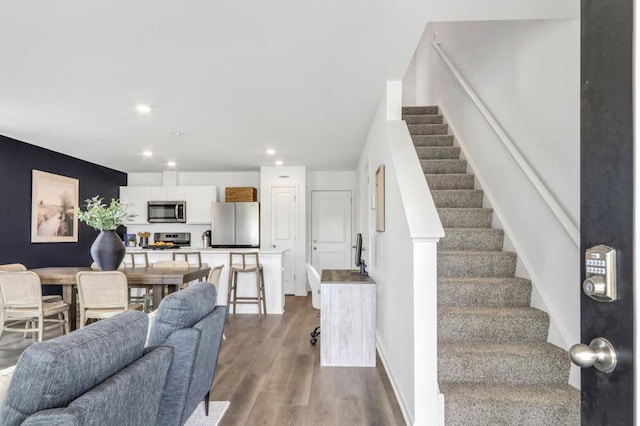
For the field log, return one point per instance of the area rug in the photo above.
(216, 411)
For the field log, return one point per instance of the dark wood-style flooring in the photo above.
(271, 374)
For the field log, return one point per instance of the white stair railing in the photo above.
(551, 202)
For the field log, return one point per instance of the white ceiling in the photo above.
(235, 77)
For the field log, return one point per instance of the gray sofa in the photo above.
(189, 322)
(103, 375)
(98, 375)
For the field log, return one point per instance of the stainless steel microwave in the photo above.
(166, 211)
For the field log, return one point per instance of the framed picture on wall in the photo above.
(54, 205)
(380, 198)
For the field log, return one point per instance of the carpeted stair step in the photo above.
(428, 129)
(476, 263)
(416, 110)
(432, 140)
(438, 152)
(484, 239)
(468, 324)
(472, 291)
(443, 166)
(450, 181)
(465, 217)
(489, 405)
(506, 363)
(457, 197)
(422, 119)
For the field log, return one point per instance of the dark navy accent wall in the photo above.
(17, 160)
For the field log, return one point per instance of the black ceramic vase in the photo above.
(108, 250)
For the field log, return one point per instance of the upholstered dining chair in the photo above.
(103, 294)
(21, 300)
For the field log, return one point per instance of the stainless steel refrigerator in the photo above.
(235, 224)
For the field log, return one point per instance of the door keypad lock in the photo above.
(600, 280)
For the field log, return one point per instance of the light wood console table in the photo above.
(348, 319)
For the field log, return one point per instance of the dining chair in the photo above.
(18, 267)
(214, 278)
(21, 300)
(103, 294)
(140, 259)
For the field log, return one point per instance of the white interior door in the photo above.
(284, 227)
(331, 230)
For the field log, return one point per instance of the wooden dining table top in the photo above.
(66, 275)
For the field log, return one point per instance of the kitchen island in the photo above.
(273, 274)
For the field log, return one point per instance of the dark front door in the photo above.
(607, 200)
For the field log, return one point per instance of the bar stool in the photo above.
(250, 263)
(140, 259)
(192, 257)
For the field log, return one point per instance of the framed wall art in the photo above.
(380, 198)
(54, 205)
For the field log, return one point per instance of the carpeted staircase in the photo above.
(495, 366)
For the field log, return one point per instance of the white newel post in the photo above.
(429, 402)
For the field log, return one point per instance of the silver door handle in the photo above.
(600, 354)
(315, 248)
(273, 246)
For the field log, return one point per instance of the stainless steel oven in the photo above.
(166, 211)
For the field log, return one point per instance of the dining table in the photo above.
(161, 280)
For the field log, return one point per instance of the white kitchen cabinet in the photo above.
(199, 199)
(175, 193)
(157, 193)
(136, 197)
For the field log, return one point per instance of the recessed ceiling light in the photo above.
(147, 153)
(171, 163)
(142, 108)
(270, 151)
(279, 163)
(176, 134)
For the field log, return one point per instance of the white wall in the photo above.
(527, 73)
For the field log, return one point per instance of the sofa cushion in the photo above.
(53, 373)
(182, 309)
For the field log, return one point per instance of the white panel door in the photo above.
(331, 230)
(284, 227)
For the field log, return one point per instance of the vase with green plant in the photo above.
(107, 250)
